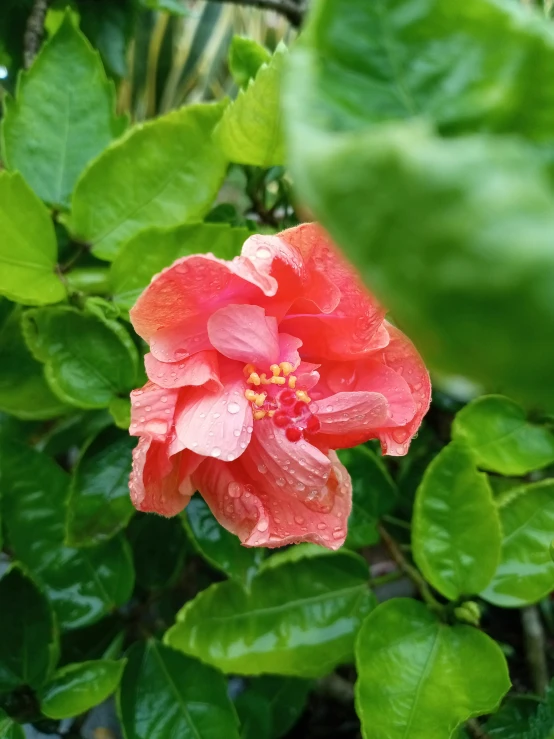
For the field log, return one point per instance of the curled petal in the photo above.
(288, 349)
(245, 333)
(349, 419)
(199, 369)
(152, 411)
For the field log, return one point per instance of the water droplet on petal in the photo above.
(236, 432)
(217, 415)
(299, 520)
(338, 534)
(164, 398)
(321, 526)
(280, 481)
(250, 429)
(263, 526)
(234, 489)
(262, 469)
(233, 408)
(262, 253)
(202, 415)
(300, 486)
(216, 452)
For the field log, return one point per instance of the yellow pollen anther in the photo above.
(292, 381)
(271, 413)
(303, 396)
(254, 379)
(250, 395)
(276, 370)
(287, 368)
(258, 415)
(278, 380)
(264, 380)
(260, 399)
(248, 369)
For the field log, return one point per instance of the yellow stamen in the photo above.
(258, 415)
(248, 369)
(264, 380)
(271, 413)
(278, 380)
(303, 396)
(260, 399)
(292, 381)
(250, 395)
(287, 368)
(254, 379)
(276, 370)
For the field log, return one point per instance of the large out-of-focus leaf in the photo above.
(246, 56)
(419, 678)
(151, 250)
(28, 248)
(286, 697)
(501, 438)
(139, 182)
(159, 546)
(63, 115)
(9, 729)
(28, 635)
(166, 694)
(298, 619)
(83, 584)
(526, 571)
(456, 529)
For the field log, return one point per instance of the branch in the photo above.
(33, 31)
(535, 647)
(293, 11)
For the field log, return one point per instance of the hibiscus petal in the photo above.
(180, 340)
(288, 349)
(245, 333)
(199, 369)
(376, 377)
(152, 410)
(356, 412)
(215, 424)
(267, 516)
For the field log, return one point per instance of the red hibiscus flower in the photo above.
(259, 368)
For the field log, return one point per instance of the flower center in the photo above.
(279, 399)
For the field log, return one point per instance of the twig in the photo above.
(409, 570)
(293, 11)
(33, 31)
(535, 646)
(475, 729)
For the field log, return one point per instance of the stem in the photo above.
(474, 728)
(294, 12)
(33, 31)
(409, 570)
(535, 645)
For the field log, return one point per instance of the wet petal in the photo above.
(199, 369)
(288, 349)
(152, 411)
(245, 333)
(352, 414)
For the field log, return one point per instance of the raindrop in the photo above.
(148, 408)
(262, 469)
(233, 408)
(137, 404)
(337, 534)
(217, 415)
(300, 486)
(280, 481)
(230, 457)
(263, 526)
(164, 398)
(216, 452)
(167, 411)
(202, 415)
(263, 253)
(234, 489)
(142, 419)
(299, 520)
(321, 526)
(250, 429)
(243, 445)
(194, 444)
(236, 432)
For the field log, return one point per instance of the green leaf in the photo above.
(462, 294)
(9, 729)
(109, 26)
(218, 546)
(62, 117)
(138, 182)
(184, 697)
(286, 697)
(83, 584)
(464, 65)
(120, 410)
(373, 494)
(159, 548)
(175, 7)
(28, 636)
(23, 389)
(420, 678)
(501, 438)
(28, 249)
(254, 715)
(75, 689)
(512, 720)
(456, 533)
(541, 725)
(526, 571)
(89, 360)
(298, 619)
(151, 250)
(246, 56)
(99, 505)
(250, 131)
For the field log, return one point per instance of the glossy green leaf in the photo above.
(420, 678)
(120, 411)
(62, 117)
(136, 183)
(28, 636)
(298, 619)
(254, 715)
(99, 504)
(456, 534)
(512, 720)
(465, 65)
(75, 689)
(159, 547)
(9, 729)
(250, 131)
(373, 494)
(83, 584)
(164, 693)
(109, 26)
(101, 640)
(246, 56)
(24, 391)
(501, 438)
(218, 546)
(526, 571)
(286, 697)
(89, 360)
(441, 244)
(151, 250)
(28, 249)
